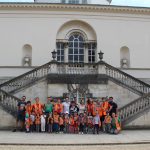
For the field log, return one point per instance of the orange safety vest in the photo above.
(28, 109)
(71, 121)
(37, 120)
(117, 124)
(94, 109)
(58, 108)
(61, 121)
(66, 120)
(107, 119)
(27, 123)
(38, 108)
(56, 118)
(105, 107)
(89, 108)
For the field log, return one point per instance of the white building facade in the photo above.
(31, 31)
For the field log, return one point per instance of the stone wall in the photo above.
(7, 121)
(121, 95)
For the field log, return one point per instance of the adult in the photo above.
(37, 107)
(48, 107)
(81, 106)
(113, 106)
(20, 114)
(58, 107)
(66, 105)
(73, 108)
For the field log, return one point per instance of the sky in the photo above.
(141, 3)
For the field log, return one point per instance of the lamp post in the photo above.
(54, 54)
(100, 55)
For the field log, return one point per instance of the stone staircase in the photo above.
(128, 112)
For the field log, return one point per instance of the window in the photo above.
(91, 52)
(76, 48)
(73, 1)
(60, 52)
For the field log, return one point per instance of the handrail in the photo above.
(9, 102)
(135, 84)
(107, 65)
(134, 108)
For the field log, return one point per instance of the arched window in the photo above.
(76, 48)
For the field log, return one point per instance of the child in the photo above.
(43, 122)
(56, 122)
(50, 122)
(81, 123)
(32, 121)
(71, 124)
(76, 123)
(27, 122)
(96, 123)
(107, 123)
(66, 122)
(115, 124)
(61, 123)
(85, 121)
(89, 123)
(37, 122)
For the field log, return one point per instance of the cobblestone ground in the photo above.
(101, 147)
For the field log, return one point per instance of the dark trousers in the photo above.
(96, 129)
(81, 128)
(61, 128)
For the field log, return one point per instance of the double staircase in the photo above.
(128, 113)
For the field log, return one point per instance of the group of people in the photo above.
(63, 116)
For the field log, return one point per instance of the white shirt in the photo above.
(66, 107)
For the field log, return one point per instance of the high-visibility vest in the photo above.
(71, 121)
(61, 121)
(89, 108)
(105, 107)
(38, 108)
(37, 120)
(67, 120)
(117, 124)
(58, 108)
(107, 119)
(28, 109)
(56, 118)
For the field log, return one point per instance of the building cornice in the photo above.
(68, 7)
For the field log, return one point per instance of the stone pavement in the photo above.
(125, 137)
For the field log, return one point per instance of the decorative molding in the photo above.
(69, 7)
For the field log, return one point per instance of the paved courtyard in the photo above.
(126, 137)
(127, 140)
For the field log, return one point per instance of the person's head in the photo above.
(28, 103)
(75, 114)
(113, 115)
(103, 99)
(107, 114)
(82, 101)
(37, 100)
(49, 99)
(85, 113)
(23, 98)
(111, 98)
(59, 101)
(67, 99)
(81, 114)
(66, 114)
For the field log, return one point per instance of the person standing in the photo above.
(66, 105)
(113, 107)
(20, 114)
